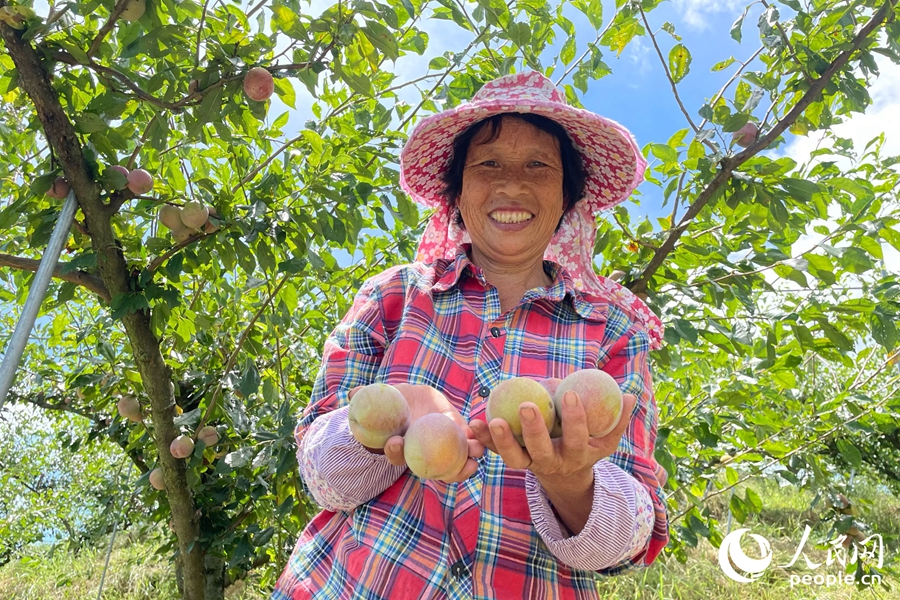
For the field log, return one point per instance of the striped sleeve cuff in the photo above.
(339, 472)
(618, 527)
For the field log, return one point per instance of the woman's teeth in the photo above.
(511, 217)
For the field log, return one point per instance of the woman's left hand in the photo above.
(561, 460)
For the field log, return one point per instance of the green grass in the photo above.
(137, 573)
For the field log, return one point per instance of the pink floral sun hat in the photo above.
(613, 166)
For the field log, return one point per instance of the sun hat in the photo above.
(613, 163)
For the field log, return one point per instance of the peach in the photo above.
(157, 480)
(505, 399)
(208, 435)
(377, 412)
(60, 188)
(551, 384)
(435, 447)
(182, 235)
(124, 173)
(600, 395)
(259, 84)
(194, 215)
(134, 10)
(140, 181)
(130, 408)
(182, 446)
(746, 135)
(170, 216)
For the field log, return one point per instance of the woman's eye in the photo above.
(489, 163)
(537, 163)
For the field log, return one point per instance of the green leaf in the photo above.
(735, 30)
(250, 379)
(850, 453)
(285, 90)
(679, 62)
(382, 38)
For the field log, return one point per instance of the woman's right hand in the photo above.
(423, 400)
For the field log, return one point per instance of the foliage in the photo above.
(777, 353)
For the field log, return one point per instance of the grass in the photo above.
(137, 573)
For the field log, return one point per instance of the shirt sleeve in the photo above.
(628, 363)
(330, 458)
(617, 528)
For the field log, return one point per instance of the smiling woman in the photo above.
(503, 287)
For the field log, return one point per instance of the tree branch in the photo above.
(82, 278)
(728, 165)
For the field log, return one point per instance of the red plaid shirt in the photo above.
(441, 325)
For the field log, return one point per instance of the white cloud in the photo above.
(697, 13)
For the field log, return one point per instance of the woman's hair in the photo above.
(572, 164)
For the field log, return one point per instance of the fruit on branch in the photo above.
(600, 395)
(616, 275)
(157, 480)
(129, 408)
(505, 399)
(134, 10)
(208, 435)
(182, 235)
(182, 446)
(259, 84)
(435, 447)
(194, 215)
(746, 135)
(59, 189)
(124, 173)
(170, 216)
(212, 224)
(377, 412)
(140, 181)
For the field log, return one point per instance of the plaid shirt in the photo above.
(441, 325)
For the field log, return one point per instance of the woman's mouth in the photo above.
(511, 216)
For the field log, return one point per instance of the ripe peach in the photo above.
(208, 435)
(377, 412)
(182, 446)
(194, 215)
(134, 10)
(140, 181)
(259, 84)
(600, 395)
(506, 398)
(213, 223)
(746, 135)
(435, 447)
(157, 480)
(130, 408)
(551, 385)
(59, 189)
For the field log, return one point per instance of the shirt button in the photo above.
(495, 331)
(484, 392)
(459, 569)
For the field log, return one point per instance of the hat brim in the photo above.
(614, 165)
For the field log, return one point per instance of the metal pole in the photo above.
(36, 296)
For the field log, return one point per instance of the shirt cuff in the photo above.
(617, 528)
(338, 471)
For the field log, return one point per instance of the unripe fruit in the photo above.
(208, 435)
(194, 215)
(182, 446)
(377, 412)
(506, 398)
(157, 480)
(746, 135)
(134, 10)
(259, 84)
(59, 189)
(435, 447)
(130, 408)
(140, 181)
(182, 235)
(170, 216)
(600, 395)
(616, 275)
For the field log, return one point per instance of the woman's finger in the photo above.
(393, 450)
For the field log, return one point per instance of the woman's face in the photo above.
(512, 193)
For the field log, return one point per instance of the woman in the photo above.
(503, 286)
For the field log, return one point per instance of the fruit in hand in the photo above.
(140, 181)
(377, 412)
(600, 395)
(259, 84)
(194, 215)
(59, 189)
(182, 446)
(551, 385)
(435, 447)
(506, 398)
(208, 435)
(156, 479)
(130, 408)
(746, 135)
(134, 10)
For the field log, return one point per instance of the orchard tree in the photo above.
(207, 261)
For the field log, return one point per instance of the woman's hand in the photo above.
(423, 400)
(556, 462)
